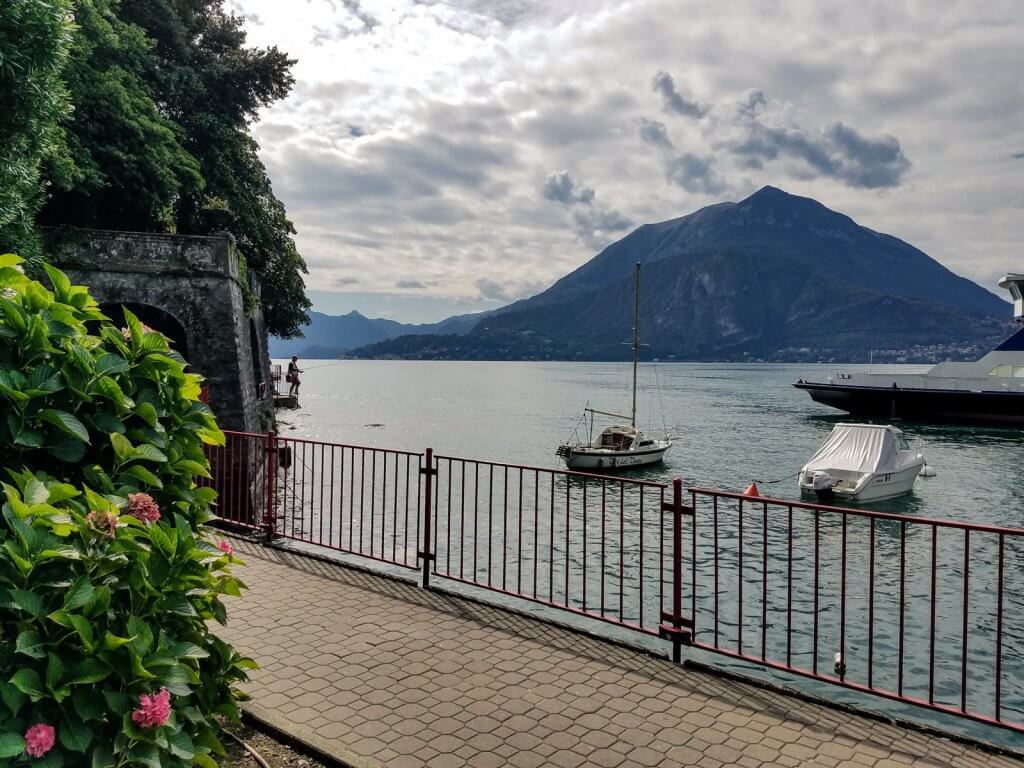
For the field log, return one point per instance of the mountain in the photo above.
(327, 336)
(775, 276)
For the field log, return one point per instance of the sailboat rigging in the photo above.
(618, 446)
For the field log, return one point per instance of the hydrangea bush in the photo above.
(108, 574)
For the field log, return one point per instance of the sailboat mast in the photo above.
(636, 332)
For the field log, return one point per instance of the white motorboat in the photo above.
(862, 462)
(618, 446)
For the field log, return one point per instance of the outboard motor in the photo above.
(821, 483)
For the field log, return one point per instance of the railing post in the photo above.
(429, 471)
(270, 505)
(674, 626)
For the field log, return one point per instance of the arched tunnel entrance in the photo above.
(154, 317)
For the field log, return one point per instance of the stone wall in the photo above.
(190, 282)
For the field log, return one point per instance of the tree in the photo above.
(34, 40)
(128, 166)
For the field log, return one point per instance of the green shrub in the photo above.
(107, 572)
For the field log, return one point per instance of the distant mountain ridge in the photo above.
(774, 276)
(328, 336)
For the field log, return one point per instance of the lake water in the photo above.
(732, 424)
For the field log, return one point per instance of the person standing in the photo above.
(293, 376)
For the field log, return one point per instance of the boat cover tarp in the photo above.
(857, 448)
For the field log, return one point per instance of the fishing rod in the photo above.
(322, 365)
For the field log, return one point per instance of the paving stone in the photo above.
(400, 676)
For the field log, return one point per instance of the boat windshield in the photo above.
(616, 441)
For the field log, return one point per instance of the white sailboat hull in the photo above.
(583, 458)
(882, 485)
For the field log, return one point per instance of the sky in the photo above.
(449, 156)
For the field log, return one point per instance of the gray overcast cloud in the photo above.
(442, 156)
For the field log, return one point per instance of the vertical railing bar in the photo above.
(490, 517)
(394, 516)
(640, 531)
(352, 500)
(536, 525)
(999, 629)
(519, 541)
(584, 576)
(405, 528)
(842, 605)
(871, 604)
(330, 505)
(739, 576)
(789, 589)
(604, 503)
(931, 632)
(448, 524)
(568, 481)
(504, 529)
(817, 549)
(764, 581)
(462, 521)
(551, 547)
(417, 516)
(373, 500)
(693, 564)
(661, 554)
(714, 519)
(476, 517)
(967, 581)
(323, 452)
(362, 500)
(622, 548)
(903, 595)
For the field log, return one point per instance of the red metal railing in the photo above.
(915, 610)
(587, 544)
(771, 583)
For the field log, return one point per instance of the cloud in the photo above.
(492, 290)
(410, 284)
(671, 99)
(1018, 155)
(654, 133)
(839, 152)
(594, 226)
(342, 282)
(465, 106)
(694, 174)
(560, 187)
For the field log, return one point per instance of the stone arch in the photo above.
(157, 318)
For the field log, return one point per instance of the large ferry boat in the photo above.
(986, 391)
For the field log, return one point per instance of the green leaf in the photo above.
(185, 650)
(109, 389)
(145, 754)
(103, 757)
(181, 745)
(148, 452)
(84, 630)
(111, 363)
(139, 472)
(27, 681)
(142, 635)
(74, 734)
(148, 414)
(54, 670)
(29, 602)
(35, 492)
(65, 448)
(80, 593)
(11, 744)
(29, 644)
(12, 697)
(60, 281)
(66, 422)
(204, 761)
(88, 671)
(10, 260)
(122, 446)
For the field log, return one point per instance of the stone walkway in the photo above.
(378, 672)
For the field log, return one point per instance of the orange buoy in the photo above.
(752, 490)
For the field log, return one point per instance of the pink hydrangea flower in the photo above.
(143, 507)
(154, 710)
(226, 548)
(39, 740)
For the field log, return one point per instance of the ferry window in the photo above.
(1018, 371)
(1002, 370)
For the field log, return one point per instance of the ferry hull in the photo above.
(936, 405)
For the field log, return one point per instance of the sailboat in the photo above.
(619, 446)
